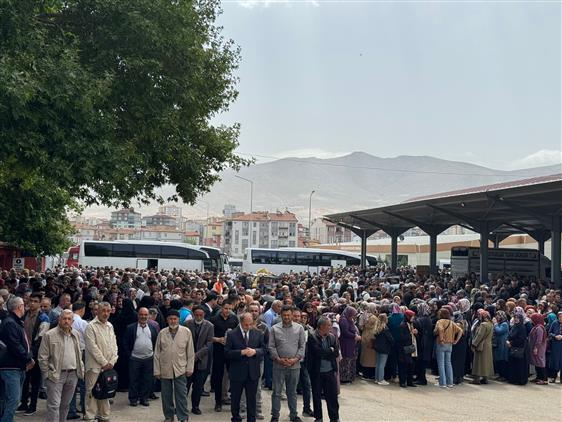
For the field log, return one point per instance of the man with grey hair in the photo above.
(101, 355)
(18, 358)
(60, 360)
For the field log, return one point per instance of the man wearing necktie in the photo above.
(244, 349)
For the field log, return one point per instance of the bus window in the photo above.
(97, 249)
(174, 252)
(123, 250)
(305, 258)
(285, 258)
(263, 257)
(147, 251)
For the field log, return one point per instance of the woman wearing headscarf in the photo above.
(424, 339)
(555, 336)
(537, 348)
(460, 349)
(481, 345)
(394, 320)
(500, 351)
(368, 356)
(348, 344)
(518, 365)
(127, 315)
(407, 350)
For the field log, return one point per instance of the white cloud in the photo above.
(310, 152)
(543, 157)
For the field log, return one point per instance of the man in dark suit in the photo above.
(321, 354)
(244, 349)
(139, 341)
(202, 332)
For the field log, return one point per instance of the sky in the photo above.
(475, 81)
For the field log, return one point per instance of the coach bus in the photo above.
(528, 263)
(285, 260)
(143, 254)
(217, 262)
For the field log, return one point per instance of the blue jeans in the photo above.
(443, 354)
(381, 363)
(13, 384)
(289, 377)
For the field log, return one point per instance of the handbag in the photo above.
(408, 350)
(517, 352)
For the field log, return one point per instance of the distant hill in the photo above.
(355, 181)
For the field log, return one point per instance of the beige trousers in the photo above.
(94, 408)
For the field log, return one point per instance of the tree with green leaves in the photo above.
(104, 101)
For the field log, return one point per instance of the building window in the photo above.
(291, 243)
(274, 244)
(245, 228)
(254, 238)
(237, 236)
(244, 244)
(274, 228)
(292, 229)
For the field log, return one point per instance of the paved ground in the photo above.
(364, 401)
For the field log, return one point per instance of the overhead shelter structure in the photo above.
(532, 206)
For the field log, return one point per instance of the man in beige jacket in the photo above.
(101, 355)
(174, 359)
(60, 361)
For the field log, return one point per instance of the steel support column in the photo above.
(497, 241)
(433, 253)
(484, 238)
(393, 252)
(363, 249)
(555, 245)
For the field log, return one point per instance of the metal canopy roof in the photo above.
(523, 206)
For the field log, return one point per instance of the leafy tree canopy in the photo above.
(103, 101)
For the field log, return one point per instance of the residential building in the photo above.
(213, 232)
(83, 232)
(160, 220)
(260, 230)
(161, 233)
(172, 210)
(326, 232)
(126, 218)
(229, 210)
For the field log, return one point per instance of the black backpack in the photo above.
(106, 385)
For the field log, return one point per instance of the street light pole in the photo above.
(251, 191)
(310, 214)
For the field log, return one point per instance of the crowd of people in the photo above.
(171, 332)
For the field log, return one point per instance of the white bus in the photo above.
(285, 260)
(142, 255)
(509, 261)
(217, 262)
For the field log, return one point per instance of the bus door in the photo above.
(142, 264)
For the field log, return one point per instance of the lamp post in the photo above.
(251, 190)
(310, 214)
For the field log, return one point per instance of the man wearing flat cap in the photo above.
(174, 360)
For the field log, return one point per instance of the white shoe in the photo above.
(383, 382)
(440, 386)
(450, 386)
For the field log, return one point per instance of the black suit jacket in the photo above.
(243, 368)
(131, 337)
(315, 353)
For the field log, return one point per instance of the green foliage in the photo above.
(103, 101)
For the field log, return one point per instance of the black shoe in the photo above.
(153, 397)
(296, 419)
(145, 403)
(205, 394)
(196, 411)
(30, 412)
(484, 381)
(71, 417)
(227, 401)
(133, 403)
(403, 385)
(420, 382)
(274, 419)
(411, 384)
(43, 395)
(218, 408)
(318, 420)
(22, 408)
(308, 412)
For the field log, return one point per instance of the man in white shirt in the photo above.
(139, 341)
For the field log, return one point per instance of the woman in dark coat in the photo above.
(123, 317)
(460, 349)
(555, 336)
(518, 365)
(394, 320)
(424, 338)
(406, 359)
(349, 336)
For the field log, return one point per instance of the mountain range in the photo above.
(355, 181)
